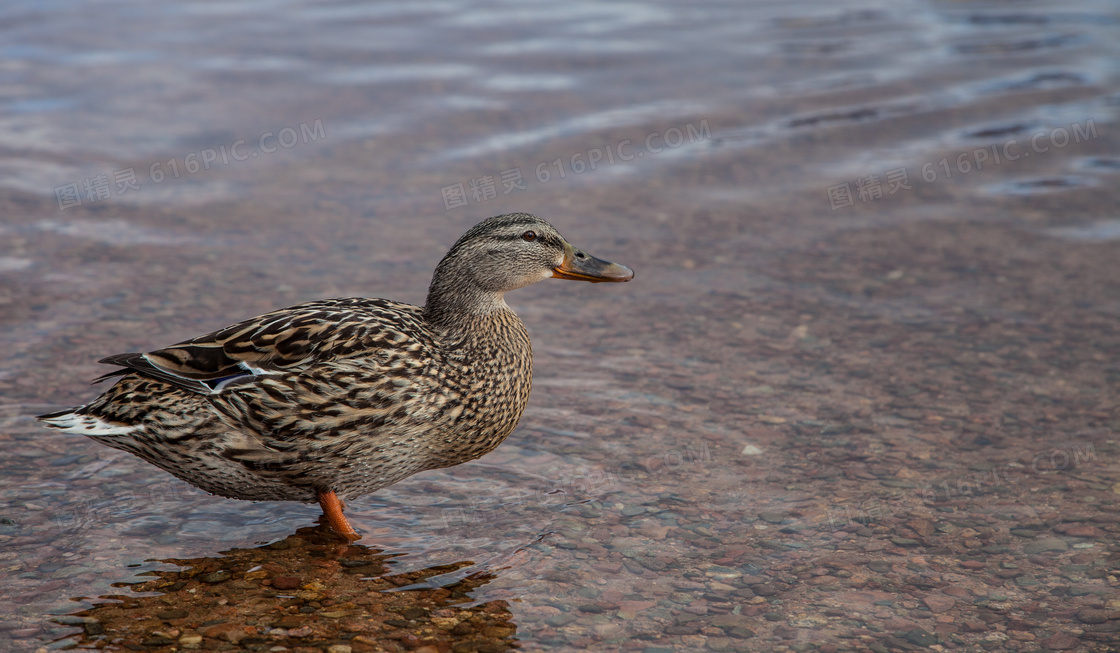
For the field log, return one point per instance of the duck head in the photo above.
(508, 252)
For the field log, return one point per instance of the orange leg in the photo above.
(332, 509)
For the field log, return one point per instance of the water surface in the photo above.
(876, 259)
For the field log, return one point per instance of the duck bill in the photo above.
(580, 266)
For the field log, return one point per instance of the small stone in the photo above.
(995, 549)
(899, 624)
(895, 483)
(445, 623)
(1045, 544)
(772, 517)
(68, 572)
(65, 460)
(1060, 642)
(21, 633)
(190, 641)
(608, 631)
(1093, 616)
(335, 614)
(939, 603)
(922, 527)
(172, 614)
(722, 573)
(289, 621)
(752, 450)
(338, 648)
(216, 576)
(285, 582)
(919, 637)
(808, 621)
(73, 620)
(415, 612)
(558, 620)
(232, 633)
(1080, 530)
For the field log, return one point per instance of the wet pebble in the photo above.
(1096, 616)
(219, 576)
(772, 517)
(1044, 545)
(1060, 642)
(172, 614)
(285, 583)
(69, 571)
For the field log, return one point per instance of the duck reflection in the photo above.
(305, 592)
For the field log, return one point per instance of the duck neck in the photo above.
(458, 306)
(465, 313)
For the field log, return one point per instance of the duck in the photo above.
(334, 399)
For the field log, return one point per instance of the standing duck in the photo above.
(339, 398)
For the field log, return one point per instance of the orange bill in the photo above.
(580, 266)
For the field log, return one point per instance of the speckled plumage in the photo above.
(344, 395)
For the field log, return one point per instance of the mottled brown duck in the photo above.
(339, 398)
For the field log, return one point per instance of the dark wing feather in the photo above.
(284, 340)
(138, 363)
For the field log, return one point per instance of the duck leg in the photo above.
(332, 510)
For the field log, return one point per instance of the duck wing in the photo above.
(283, 341)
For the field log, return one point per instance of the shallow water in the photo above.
(875, 248)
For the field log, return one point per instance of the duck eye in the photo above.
(529, 235)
